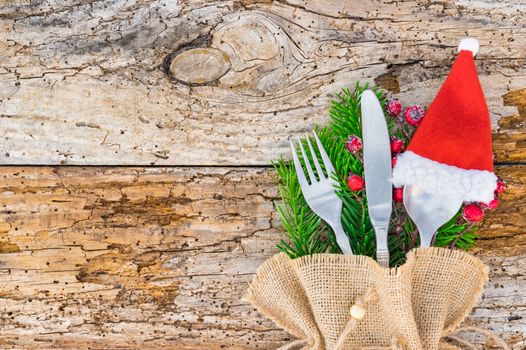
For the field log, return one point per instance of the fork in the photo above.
(320, 193)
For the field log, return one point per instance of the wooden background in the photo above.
(136, 137)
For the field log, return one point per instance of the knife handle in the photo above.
(382, 250)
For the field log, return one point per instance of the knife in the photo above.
(377, 170)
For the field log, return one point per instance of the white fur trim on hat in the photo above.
(435, 177)
(470, 44)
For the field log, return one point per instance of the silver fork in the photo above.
(320, 194)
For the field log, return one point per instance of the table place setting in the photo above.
(379, 208)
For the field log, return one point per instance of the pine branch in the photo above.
(301, 227)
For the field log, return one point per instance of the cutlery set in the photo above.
(428, 211)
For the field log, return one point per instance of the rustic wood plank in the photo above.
(509, 142)
(148, 257)
(111, 258)
(89, 82)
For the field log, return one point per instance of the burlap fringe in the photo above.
(411, 307)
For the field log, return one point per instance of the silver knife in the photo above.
(377, 169)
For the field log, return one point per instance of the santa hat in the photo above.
(450, 152)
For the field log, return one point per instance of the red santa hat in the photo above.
(450, 152)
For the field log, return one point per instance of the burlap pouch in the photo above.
(410, 307)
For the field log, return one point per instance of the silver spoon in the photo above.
(429, 211)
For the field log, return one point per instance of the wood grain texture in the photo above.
(132, 257)
(89, 82)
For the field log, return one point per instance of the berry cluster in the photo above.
(474, 212)
(397, 146)
(413, 114)
(354, 145)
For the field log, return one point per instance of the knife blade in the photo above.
(377, 171)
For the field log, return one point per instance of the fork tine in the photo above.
(324, 156)
(315, 158)
(307, 163)
(297, 165)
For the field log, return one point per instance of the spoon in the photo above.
(429, 211)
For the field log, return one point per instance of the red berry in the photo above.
(473, 213)
(394, 107)
(492, 204)
(501, 187)
(393, 161)
(355, 182)
(353, 144)
(414, 114)
(398, 194)
(397, 145)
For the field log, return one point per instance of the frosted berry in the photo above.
(353, 144)
(397, 145)
(473, 213)
(393, 161)
(491, 204)
(398, 194)
(355, 182)
(501, 187)
(394, 107)
(414, 114)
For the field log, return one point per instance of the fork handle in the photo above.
(341, 238)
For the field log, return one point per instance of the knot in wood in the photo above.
(199, 66)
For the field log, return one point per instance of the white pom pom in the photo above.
(470, 44)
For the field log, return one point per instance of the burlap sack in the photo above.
(410, 307)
